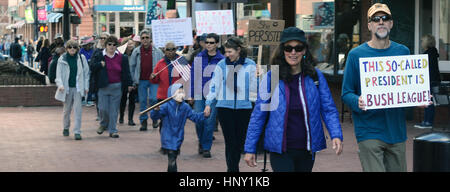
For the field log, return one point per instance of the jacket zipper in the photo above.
(302, 99)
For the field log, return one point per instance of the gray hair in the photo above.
(145, 31)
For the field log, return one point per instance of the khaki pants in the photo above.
(378, 156)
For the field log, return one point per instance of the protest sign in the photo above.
(178, 31)
(396, 81)
(218, 21)
(265, 32)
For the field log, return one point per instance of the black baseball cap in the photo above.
(292, 33)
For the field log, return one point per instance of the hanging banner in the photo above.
(218, 21)
(397, 81)
(178, 31)
(29, 15)
(155, 10)
(42, 14)
(58, 5)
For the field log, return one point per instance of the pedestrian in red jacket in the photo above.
(164, 73)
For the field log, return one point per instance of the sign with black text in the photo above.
(265, 32)
(396, 81)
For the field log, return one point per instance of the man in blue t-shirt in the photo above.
(380, 133)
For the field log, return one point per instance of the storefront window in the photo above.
(253, 9)
(142, 17)
(329, 43)
(126, 17)
(112, 28)
(444, 31)
(112, 17)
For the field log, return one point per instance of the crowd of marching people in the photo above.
(209, 83)
(214, 80)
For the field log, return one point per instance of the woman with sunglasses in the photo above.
(293, 123)
(233, 86)
(72, 80)
(112, 74)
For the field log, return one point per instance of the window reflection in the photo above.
(444, 33)
(330, 43)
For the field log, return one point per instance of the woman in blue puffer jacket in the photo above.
(292, 114)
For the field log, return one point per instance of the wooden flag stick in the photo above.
(156, 105)
(163, 68)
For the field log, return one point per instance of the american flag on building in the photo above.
(78, 6)
(183, 68)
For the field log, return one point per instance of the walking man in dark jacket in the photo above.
(16, 50)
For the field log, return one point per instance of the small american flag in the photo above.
(78, 6)
(183, 68)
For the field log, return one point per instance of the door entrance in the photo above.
(126, 31)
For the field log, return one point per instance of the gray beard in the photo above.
(382, 38)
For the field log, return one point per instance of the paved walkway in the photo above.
(31, 140)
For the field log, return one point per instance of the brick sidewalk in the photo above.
(32, 141)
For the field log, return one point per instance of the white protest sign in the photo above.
(178, 31)
(396, 81)
(218, 21)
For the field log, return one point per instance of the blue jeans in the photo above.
(146, 91)
(206, 128)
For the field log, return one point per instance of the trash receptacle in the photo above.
(431, 152)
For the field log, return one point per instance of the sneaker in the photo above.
(66, 132)
(423, 125)
(90, 103)
(206, 154)
(131, 123)
(120, 120)
(100, 130)
(77, 137)
(114, 135)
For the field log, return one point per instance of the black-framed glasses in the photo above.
(210, 42)
(72, 47)
(145, 37)
(112, 44)
(171, 49)
(297, 48)
(378, 18)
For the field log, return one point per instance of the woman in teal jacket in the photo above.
(233, 85)
(292, 114)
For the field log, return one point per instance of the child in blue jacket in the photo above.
(174, 114)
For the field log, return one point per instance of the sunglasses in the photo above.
(145, 37)
(72, 47)
(210, 42)
(102, 38)
(384, 17)
(170, 49)
(112, 44)
(297, 48)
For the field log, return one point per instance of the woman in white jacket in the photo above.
(72, 79)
